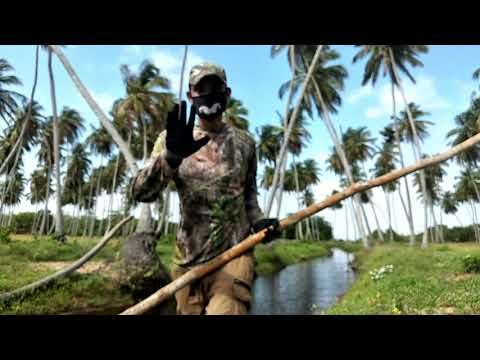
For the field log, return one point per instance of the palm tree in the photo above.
(433, 176)
(77, 170)
(290, 123)
(299, 136)
(29, 138)
(38, 190)
(468, 126)
(9, 99)
(236, 114)
(323, 92)
(384, 164)
(449, 205)
(390, 59)
(476, 74)
(466, 192)
(359, 147)
(100, 143)
(143, 102)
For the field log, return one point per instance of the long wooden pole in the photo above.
(201, 270)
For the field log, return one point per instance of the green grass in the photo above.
(18, 259)
(287, 252)
(430, 281)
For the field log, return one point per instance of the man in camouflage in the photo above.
(214, 167)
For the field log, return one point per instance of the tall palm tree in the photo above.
(290, 123)
(359, 147)
(390, 59)
(147, 98)
(100, 143)
(77, 170)
(323, 93)
(297, 140)
(385, 163)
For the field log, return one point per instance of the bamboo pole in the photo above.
(203, 269)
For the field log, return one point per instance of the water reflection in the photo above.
(295, 289)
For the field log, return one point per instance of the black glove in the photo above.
(265, 223)
(180, 142)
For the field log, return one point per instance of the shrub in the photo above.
(5, 235)
(471, 264)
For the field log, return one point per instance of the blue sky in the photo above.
(443, 88)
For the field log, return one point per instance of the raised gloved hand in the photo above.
(265, 223)
(180, 141)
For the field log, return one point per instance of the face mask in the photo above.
(210, 106)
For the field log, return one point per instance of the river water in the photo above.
(299, 288)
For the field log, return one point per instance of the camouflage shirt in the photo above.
(217, 190)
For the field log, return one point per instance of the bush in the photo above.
(5, 235)
(471, 264)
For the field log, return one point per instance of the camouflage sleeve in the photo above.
(254, 212)
(155, 175)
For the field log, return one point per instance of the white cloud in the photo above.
(424, 93)
(133, 49)
(359, 94)
(105, 100)
(170, 64)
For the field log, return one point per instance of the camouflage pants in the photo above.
(225, 292)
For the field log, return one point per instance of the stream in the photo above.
(299, 288)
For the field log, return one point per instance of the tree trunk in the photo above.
(112, 191)
(59, 223)
(45, 211)
(297, 188)
(357, 210)
(291, 124)
(281, 184)
(97, 193)
(89, 207)
(389, 214)
(405, 179)
(418, 153)
(106, 123)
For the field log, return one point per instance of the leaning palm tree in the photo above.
(323, 93)
(391, 59)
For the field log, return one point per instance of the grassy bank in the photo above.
(24, 260)
(431, 281)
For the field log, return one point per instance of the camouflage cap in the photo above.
(199, 71)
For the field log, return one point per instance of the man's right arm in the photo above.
(155, 176)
